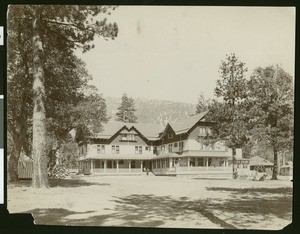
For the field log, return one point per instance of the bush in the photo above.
(58, 172)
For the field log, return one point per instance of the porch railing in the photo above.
(116, 171)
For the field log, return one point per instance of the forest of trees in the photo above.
(254, 112)
(49, 95)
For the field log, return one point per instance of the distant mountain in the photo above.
(152, 110)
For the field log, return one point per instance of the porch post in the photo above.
(224, 163)
(117, 165)
(141, 166)
(206, 159)
(170, 162)
(129, 165)
(92, 165)
(188, 163)
(105, 166)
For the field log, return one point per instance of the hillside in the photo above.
(153, 111)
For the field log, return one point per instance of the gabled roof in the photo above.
(256, 160)
(184, 125)
(149, 131)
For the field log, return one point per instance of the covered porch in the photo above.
(114, 165)
(174, 165)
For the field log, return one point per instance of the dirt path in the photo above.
(157, 202)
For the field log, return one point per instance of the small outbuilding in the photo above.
(261, 165)
(287, 169)
(25, 167)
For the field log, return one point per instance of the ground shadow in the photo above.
(136, 208)
(65, 183)
(149, 210)
(282, 190)
(72, 183)
(280, 206)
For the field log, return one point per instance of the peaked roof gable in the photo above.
(150, 131)
(186, 124)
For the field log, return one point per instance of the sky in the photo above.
(174, 53)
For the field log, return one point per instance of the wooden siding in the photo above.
(25, 169)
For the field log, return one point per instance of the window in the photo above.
(140, 149)
(132, 163)
(170, 148)
(131, 137)
(175, 145)
(180, 145)
(136, 150)
(124, 137)
(162, 149)
(115, 149)
(148, 148)
(127, 137)
(154, 150)
(102, 149)
(121, 162)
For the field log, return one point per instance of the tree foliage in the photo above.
(230, 114)
(61, 30)
(126, 110)
(271, 109)
(202, 104)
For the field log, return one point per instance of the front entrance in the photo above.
(147, 164)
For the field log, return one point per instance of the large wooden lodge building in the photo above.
(137, 148)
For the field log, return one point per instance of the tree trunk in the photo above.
(275, 169)
(13, 165)
(39, 178)
(233, 163)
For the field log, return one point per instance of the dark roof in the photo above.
(186, 124)
(150, 131)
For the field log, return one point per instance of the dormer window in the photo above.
(127, 137)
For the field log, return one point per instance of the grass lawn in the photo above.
(156, 202)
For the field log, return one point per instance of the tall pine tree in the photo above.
(271, 101)
(64, 29)
(232, 88)
(126, 111)
(203, 104)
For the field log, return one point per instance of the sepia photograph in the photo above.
(151, 116)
